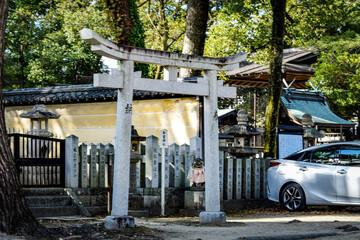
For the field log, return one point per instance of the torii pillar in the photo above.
(126, 81)
(212, 213)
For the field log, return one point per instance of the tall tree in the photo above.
(275, 78)
(15, 216)
(195, 32)
(126, 26)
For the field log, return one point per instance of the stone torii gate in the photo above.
(126, 80)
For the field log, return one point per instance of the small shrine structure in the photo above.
(309, 109)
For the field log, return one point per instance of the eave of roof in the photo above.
(296, 64)
(69, 94)
(299, 102)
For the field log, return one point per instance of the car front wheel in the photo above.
(293, 198)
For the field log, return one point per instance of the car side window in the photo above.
(295, 156)
(307, 157)
(328, 155)
(350, 155)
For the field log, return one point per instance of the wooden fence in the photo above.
(90, 166)
(40, 160)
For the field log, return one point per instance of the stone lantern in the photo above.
(135, 158)
(243, 136)
(310, 133)
(39, 117)
(135, 145)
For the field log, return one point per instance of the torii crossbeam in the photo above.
(126, 80)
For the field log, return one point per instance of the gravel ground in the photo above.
(270, 223)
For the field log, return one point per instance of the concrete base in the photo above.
(118, 222)
(212, 218)
(195, 200)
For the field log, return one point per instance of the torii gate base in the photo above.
(127, 80)
(117, 222)
(212, 217)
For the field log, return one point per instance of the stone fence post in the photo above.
(71, 162)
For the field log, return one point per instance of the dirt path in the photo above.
(244, 224)
(236, 227)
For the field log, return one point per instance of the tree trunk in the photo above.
(358, 126)
(195, 32)
(127, 27)
(275, 79)
(15, 216)
(164, 30)
(118, 12)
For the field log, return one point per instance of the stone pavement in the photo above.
(336, 226)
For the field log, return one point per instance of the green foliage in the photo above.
(163, 18)
(332, 28)
(310, 20)
(338, 72)
(239, 26)
(44, 45)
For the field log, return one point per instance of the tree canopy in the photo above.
(44, 48)
(338, 73)
(43, 45)
(332, 29)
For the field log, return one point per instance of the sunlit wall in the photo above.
(95, 122)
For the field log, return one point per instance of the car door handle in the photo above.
(342, 171)
(303, 169)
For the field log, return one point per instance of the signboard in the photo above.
(164, 139)
(289, 143)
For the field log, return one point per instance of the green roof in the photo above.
(299, 102)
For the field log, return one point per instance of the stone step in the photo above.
(48, 201)
(54, 211)
(97, 210)
(43, 191)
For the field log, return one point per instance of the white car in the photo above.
(327, 174)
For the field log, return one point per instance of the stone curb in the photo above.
(297, 236)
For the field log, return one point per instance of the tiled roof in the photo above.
(67, 94)
(299, 102)
(296, 64)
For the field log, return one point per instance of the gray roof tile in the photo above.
(63, 94)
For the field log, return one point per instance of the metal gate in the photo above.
(40, 161)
